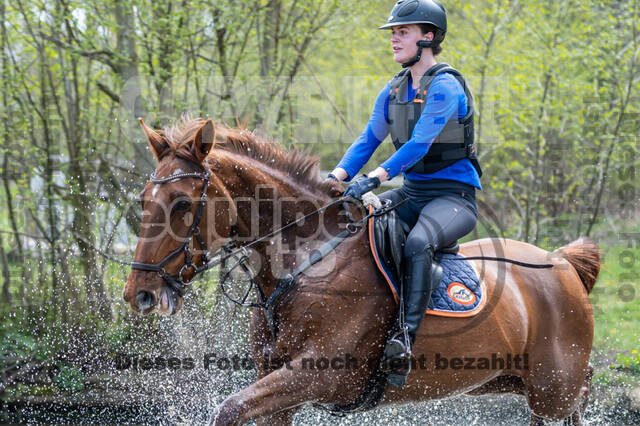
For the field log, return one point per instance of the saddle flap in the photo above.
(390, 238)
(397, 239)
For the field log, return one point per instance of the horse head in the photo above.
(200, 198)
(175, 237)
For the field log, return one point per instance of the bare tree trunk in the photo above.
(6, 274)
(48, 176)
(128, 72)
(534, 182)
(80, 169)
(5, 163)
(270, 37)
(632, 76)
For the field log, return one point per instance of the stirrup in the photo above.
(396, 361)
(396, 354)
(398, 379)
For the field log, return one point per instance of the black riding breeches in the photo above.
(439, 212)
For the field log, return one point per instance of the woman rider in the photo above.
(428, 110)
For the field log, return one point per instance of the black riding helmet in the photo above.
(419, 12)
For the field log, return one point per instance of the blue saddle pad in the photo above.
(459, 291)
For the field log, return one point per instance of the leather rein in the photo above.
(178, 283)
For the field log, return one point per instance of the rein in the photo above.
(376, 385)
(179, 284)
(228, 248)
(288, 280)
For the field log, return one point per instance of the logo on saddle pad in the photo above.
(459, 293)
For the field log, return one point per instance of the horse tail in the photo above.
(584, 255)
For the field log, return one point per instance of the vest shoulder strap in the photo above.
(435, 71)
(400, 75)
(397, 82)
(439, 69)
(442, 68)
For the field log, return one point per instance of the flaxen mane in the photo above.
(296, 163)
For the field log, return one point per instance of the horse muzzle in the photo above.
(148, 296)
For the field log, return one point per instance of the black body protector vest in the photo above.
(454, 142)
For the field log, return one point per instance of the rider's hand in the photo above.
(362, 185)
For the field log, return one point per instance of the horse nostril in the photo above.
(145, 300)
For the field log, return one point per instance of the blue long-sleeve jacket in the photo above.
(445, 98)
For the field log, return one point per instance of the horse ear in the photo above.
(203, 142)
(157, 142)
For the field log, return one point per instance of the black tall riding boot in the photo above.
(421, 275)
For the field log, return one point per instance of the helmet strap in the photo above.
(421, 44)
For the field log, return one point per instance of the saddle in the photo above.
(457, 290)
(390, 233)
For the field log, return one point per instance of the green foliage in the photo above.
(616, 299)
(608, 379)
(628, 361)
(555, 86)
(116, 337)
(17, 346)
(69, 378)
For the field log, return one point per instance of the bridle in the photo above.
(177, 282)
(286, 282)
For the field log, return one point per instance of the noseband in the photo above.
(177, 282)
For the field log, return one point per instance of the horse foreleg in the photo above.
(575, 419)
(280, 390)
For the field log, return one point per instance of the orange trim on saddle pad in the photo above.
(456, 291)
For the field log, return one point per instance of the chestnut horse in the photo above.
(341, 308)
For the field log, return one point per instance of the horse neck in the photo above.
(265, 200)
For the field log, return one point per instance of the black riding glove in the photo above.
(361, 186)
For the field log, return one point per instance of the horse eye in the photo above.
(182, 205)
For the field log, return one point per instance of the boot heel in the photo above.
(417, 292)
(394, 352)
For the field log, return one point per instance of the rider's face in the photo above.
(403, 41)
